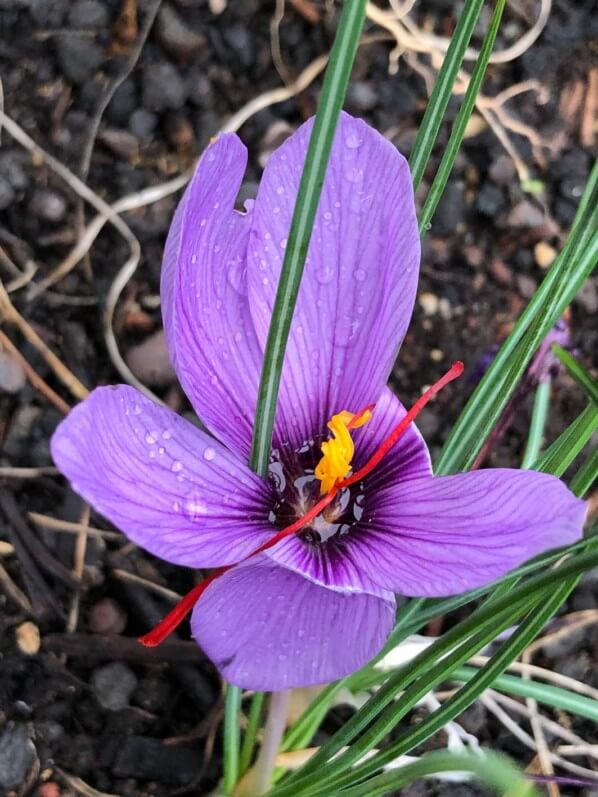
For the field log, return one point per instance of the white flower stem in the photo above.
(275, 724)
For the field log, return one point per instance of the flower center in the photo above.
(313, 518)
(298, 487)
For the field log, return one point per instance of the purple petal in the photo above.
(208, 326)
(331, 564)
(267, 628)
(360, 279)
(442, 536)
(167, 485)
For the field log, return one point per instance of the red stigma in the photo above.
(175, 617)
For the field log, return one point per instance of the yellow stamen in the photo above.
(337, 452)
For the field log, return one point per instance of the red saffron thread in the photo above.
(174, 618)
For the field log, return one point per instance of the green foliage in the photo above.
(528, 597)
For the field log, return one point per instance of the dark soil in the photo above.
(93, 704)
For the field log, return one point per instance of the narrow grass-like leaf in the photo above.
(564, 278)
(535, 438)
(454, 648)
(458, 131)
(547, 694)
(491, 769)
(568, 445)
(495, 771)
(443, 89)
(586, 475)
(250, 736)
(452, 707)
(581, 375)
(331, 100)
(232, 730)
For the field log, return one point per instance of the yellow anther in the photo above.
(337, 452)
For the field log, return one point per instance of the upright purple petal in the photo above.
(167, 485)
(360, 279)
(204, 297)
(442, 536)
(267, 628)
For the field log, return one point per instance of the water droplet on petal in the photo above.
(149, 438)
(352, 141)
(325, 275)
(166, 434)
(359, 274)
(176, 466)
(283, 243)
(280, 190)
(209, 454)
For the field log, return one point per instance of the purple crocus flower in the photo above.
(320, 603)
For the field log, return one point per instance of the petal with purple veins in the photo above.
(267, 628)
(360, 278)
(167, 485)
(208, 326)
(443, 536)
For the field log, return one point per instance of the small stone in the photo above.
(48, 13)
(150, 361)
(11, 169)
(89, 14)
(544, 254)
(120, 142)
(48, 206)
(450, 209)
(123, 104)
(162, 87)
(113, 686)
(176, 37)
(49, 789)
(143, 123)
(28, 638)
(525, 214)
(78, 57)
(490, 200)
(501, 271)
(17, 756)
(526, 285)
(429, 303)
(7, 193)
(179, 131)
(149, 759)
(107, 617)
(361, 96)
(502, 170)
(588, 297)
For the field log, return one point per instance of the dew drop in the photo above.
(280, 190)
(176, 466)
(352, 141)
(217, 248)
(359, 274)
(149, 438)
(136, 409)
(238, 337)
(166, 434)
(209, 454)
(325, 275)
(283, 243)
(354, 174)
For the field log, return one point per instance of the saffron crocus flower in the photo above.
(319, 603)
